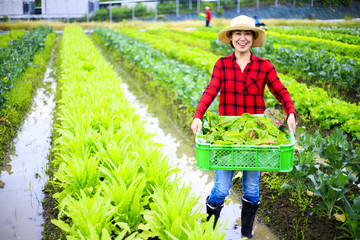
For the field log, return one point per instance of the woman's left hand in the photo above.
(291, 122)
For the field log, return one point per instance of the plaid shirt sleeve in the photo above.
(211, 91)
(278, 90)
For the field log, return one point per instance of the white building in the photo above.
(11, 7)
(55, 8)
(48, 8)
(64, 7)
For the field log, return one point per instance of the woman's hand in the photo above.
(196, 125)
(291, 122)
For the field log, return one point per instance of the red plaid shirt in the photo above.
(243, 92)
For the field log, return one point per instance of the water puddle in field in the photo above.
(22, 176)
(182, 154)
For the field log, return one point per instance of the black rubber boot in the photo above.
(247, 217)
(213, 209)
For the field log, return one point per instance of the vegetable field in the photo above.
(111, 180)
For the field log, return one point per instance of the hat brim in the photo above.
(259, 39)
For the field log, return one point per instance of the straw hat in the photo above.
(243, 22)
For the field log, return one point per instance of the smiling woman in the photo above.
(241, 79)
(244, 38)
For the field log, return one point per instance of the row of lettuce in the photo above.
(349, 35)
(151, 49)
(113, 180)
(23, 61)
(330, 180)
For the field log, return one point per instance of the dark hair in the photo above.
(231, 32)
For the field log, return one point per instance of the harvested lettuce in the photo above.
(244, 130)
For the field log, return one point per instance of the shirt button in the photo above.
(241, 75)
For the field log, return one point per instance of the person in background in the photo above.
(258, 23)
(241, 78)
(208, 16)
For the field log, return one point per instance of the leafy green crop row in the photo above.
(181, 37)
(19, 98)
(17, 57)
(6, 38)
(337, 48)
(187, 82)
(114, 181)
(192, 56)
(345, 35)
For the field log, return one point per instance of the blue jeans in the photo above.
(222, 186)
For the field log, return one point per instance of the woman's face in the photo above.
(242, 40)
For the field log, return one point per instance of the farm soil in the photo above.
(51, 232)
(281, 215)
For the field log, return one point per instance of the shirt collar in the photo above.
(252, 56)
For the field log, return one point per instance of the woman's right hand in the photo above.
(196, 125)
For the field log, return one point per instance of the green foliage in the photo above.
(247, 129)
(126, 188)
(167, 7)
(355, 163)
(275, 182)
(19, 98)
(5, 39)
(106, 158)
(336, 113)
(187, 82)
(180, 216)
(303, 167)
(92, 216)
(192, 56)
(352, 214)
(337, 151)
(325, 36)
(329, 180)
(119, 13)
(312, 44)
(331, 188)
(182, 37)
(17, 57)
(346, 3)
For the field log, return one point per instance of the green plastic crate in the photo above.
(245, 157)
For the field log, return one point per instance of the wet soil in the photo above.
(50, 232)
(287, 221)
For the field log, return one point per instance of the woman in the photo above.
(241, 79)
